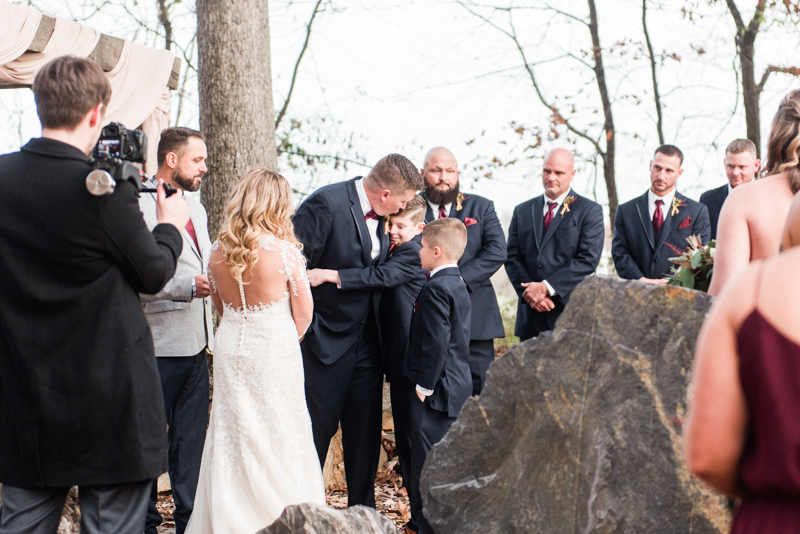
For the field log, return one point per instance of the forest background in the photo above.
(499, 82)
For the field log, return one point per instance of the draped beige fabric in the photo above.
(138, 81)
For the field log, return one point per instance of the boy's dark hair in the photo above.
(669, 150)
(68, 88)
(448, 234)
(415, 210)
(175, 140)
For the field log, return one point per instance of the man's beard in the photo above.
(441, 198)
(185, 183)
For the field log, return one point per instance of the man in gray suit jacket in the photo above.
(180, 318)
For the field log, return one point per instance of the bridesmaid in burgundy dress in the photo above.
(743, 433)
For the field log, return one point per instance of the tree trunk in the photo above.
(608, 126)
(237, 114)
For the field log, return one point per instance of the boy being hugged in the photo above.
(440, 333)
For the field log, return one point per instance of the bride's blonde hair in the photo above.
(261, 202)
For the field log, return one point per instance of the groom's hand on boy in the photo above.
(320, 276)
(421, 396)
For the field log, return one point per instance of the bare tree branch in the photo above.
(660, 121)
(297, 65)
(163, 18)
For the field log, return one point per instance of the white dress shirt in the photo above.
(665, 208)
(425, 391)
(435, 208)
(559, 201)
(372, 225)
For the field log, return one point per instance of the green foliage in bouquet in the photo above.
(694, 266)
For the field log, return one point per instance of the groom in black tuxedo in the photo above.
(343, 226)
(484, 255)
(554, 241)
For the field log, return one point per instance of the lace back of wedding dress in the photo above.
(259, 453)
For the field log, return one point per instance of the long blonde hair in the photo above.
(783, 147)
(261, 202)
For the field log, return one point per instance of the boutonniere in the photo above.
(460, 201)
(386, 226)
(676, 204)
(567, 201)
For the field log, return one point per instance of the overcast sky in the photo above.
(406, 76)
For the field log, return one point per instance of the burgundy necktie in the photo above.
(548, 217)
(442, 213)
(192, 233)
(392, 247)
(658, 217)
(371, 215)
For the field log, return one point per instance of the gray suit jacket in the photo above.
(181, 325)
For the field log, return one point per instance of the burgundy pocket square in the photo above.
(687, 222)
(469, 221)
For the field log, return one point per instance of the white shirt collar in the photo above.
(439, 268)
(362, 196)
(435, 208)
(652, 197)
(730, 189)
(558, 201)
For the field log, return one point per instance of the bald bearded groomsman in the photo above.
(554, 241)
(485, 253)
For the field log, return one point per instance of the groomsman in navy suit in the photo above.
(653, 228)
(485, 253)
(555, 241)
(741, 166)
(342, 228)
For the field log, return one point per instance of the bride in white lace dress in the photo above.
(259, 453)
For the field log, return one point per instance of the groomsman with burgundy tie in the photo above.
(485, 253)
(653, 228)
(554, 241)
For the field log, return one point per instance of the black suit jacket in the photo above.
(483, 256)
(440, 334)
(638, 252)
(331, 226)
(564, 255)
(714, 199)
(80, 394)
(401, 278)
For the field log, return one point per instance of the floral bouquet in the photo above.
(694, 266)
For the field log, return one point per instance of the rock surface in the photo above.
(579, 430)
(319, 519)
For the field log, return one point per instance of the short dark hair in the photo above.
(737, 146)
(68, 88)
(669, 150)
(397, 174)
(449, 234)
(415, 210)
(175, 140)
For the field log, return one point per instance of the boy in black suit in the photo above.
(403, 275)
(440, 335)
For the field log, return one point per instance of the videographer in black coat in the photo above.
(80, 394)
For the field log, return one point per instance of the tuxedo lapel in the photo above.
(361, 224)
(383, 236)
(557, 218)
(538, 220)
(644, 216)
(429, 216)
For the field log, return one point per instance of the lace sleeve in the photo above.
(294, 270)
(211, 280)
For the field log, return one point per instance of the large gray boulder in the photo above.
(319, 519)
(579, 430)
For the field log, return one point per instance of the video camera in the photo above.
(113, 157)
